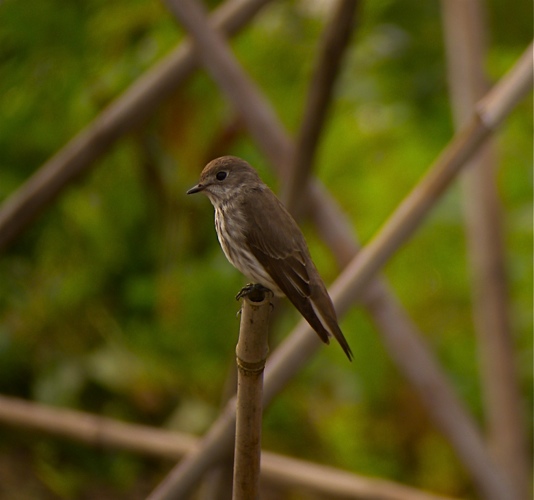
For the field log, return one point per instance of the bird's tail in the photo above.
(329, 322)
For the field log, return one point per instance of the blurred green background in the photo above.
(119, 301)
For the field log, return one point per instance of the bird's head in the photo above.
(225, 178)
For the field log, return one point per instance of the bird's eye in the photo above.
(221, 175)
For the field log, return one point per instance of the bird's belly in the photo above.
(235, 248)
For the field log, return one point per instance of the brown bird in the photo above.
(262, 240)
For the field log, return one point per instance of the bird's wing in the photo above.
(283, 252)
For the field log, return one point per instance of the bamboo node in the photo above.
(250, 367)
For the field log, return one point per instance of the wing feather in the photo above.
(284, 254)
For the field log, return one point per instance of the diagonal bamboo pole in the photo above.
(132, 107)
(333, 46)
(287, 360)
(465, 41)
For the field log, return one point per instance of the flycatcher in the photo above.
(262, 240)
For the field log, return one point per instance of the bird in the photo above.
(261, 239)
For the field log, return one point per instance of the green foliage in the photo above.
(118, 300)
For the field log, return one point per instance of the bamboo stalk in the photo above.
(283, 471)
(333, 46)
(251, 352)
(465, 36)
(287, 360)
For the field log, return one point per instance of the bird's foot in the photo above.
(254, 291)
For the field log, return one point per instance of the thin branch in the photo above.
(332, 48)
(132, 107)
(277, 469)
(465, 41)
(291, 355)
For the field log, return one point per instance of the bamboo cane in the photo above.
(251, 354)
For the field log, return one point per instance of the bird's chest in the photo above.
(230, 227)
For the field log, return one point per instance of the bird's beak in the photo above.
(196, 189)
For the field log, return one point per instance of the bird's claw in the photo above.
(254, 291)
